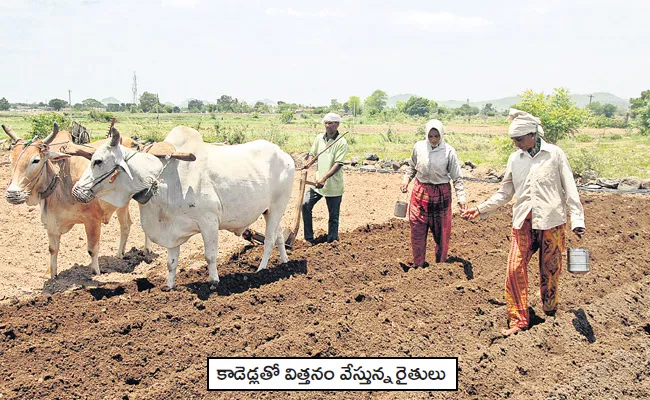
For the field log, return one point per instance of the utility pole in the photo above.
(468, 112)
(134, 88)
(70, 99)
(591, 96)
(158, 108)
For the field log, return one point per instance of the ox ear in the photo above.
(55, 156)
(126, 168)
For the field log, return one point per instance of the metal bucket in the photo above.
(578, 260)
(400, 209)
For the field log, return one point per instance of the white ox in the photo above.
(42, 175)
(227, 187)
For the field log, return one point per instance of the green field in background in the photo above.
(613, 153)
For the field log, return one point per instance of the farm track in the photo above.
(124, 336)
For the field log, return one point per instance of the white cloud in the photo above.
(441, 22)
(291, 12)
(185, 4)
(11, 4)
(539, 9)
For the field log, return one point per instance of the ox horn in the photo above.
(115, 137)
(10, 133)
(108, 134)
(50, 138)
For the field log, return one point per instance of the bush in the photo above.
(504, 146)
(275, 134)
(235, 134)
(585, 159)
(100, 116)
(560, 116)
(286, 117)
(601, 121)
(389, 137)
(43, 124)
(640, 111)
(584, 138)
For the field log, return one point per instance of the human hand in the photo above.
(319, 184)
(472, 213)
(579, 232)
(404, 187)
(462, 207)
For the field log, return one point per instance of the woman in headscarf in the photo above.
(433, 164)
(540, 177)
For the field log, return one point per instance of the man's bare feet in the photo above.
(512, 331)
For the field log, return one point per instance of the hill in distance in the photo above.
(581, 100)
(110, 100)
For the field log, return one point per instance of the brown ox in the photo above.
(42, 175)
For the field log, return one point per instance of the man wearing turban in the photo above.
(329, 177)
(540, 177)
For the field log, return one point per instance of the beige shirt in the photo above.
(336, 154)
(435, 165)
(544, 185)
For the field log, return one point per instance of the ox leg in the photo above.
(55, 241)
(280, 243)
(172, 262)
(124, 218)
(271, 236)
(211, 248)
(92, 232)
(147, 245)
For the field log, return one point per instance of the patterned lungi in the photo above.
(430, 209)
(524, 243)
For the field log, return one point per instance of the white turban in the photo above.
(331, 117)
(523, 123)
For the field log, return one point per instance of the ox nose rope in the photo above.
(103, 176)
(31, 183)
(145, 195)
(141, 197)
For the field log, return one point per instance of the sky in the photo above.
(309, 52)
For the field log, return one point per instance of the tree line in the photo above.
(559, 114)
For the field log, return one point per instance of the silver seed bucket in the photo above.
(400, 209)
(578, 260)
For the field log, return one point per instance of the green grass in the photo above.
(613, 156)
(483, 141)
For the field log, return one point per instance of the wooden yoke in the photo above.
(164, 149)
(159, 149)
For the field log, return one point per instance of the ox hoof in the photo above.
(260, 269)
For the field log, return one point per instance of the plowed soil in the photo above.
(122, 335)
